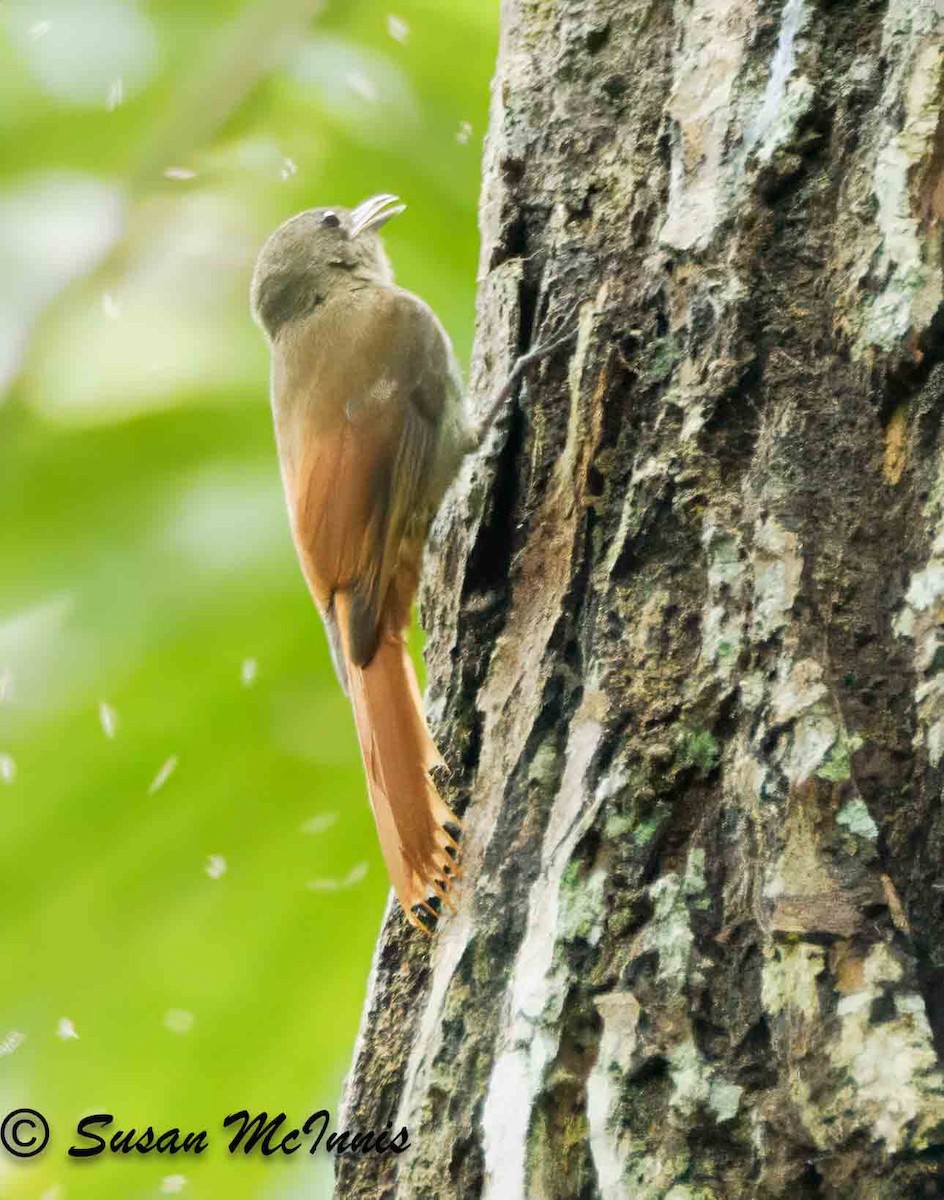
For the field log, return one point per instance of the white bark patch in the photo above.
(724, 1099)
(921, 619)
(705, 67)
(529, 1039)
(814, 735)
(815, 743)
(778, 567)
(690, 1078)
(910, 256)
(752, 688)
(696, 1085)
(798, 688)
(669, 931)
(894, 1087)
(856, 817)
(619, 1012)
(716, 125)
(786, 98)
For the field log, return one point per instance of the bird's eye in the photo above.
(331, 219)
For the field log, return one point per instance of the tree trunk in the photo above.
(686, 630)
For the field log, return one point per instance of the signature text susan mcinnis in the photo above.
(25, 1133)
(250, 1133)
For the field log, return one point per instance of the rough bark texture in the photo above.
(686, 627)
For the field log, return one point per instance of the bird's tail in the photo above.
(398, 753)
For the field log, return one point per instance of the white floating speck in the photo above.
(169, 767)
(178, 1020)
(319, 823)
(397, 28)
(464, 133)
(179, 173)
(362, 85)
(39, 29)
(354, 876)
(288, 168)
(248, 672)
(172, 1184)
(65, 1029)
(110, 306)
(13, 1040)
(52, 1193)
(7, 768)
(215, 866)
(6, 685)
(108, 718)
(116, 93)
(323, 885)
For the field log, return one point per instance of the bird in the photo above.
(371, 426)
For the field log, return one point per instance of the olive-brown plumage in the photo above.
(371, 427)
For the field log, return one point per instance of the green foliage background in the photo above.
(145, 563)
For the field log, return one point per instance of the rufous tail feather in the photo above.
(398, 753)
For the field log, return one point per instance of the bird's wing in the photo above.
(359, 490)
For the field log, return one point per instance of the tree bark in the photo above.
(686, 619)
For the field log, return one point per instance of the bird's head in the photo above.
(314, 253)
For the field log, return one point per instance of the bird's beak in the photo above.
(375, 212)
